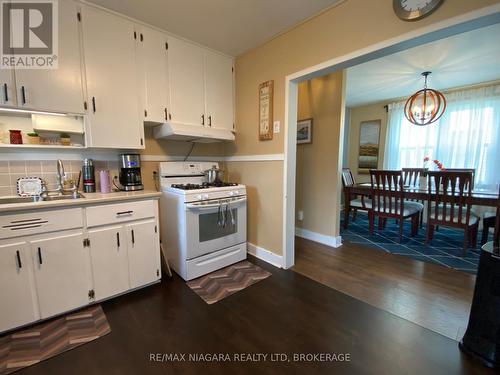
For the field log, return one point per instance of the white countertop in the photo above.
(90, 198)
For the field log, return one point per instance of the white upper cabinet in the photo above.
(60, 89)
(152, 63)
(186, 68)
(219, 90)
(112, 87)
(7, 89)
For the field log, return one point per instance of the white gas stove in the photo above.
(203, 226)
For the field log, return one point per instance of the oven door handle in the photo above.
(201, 207)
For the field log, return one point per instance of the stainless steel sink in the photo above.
(40, 199)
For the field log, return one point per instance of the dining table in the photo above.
(478, 196)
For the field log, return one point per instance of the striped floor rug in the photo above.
(222, 283)
(34, 344)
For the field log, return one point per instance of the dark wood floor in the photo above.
(430, 295)
(286, 313)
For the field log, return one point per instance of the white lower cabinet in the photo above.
(108, 253)
(62, 274)
(143, 252)
(45, 274)
(17, 291)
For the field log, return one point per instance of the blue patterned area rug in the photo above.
(445, 248)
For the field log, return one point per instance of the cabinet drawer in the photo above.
(120, 212)
(16, 225)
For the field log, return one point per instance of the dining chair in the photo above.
(388, 201)
(470, 170)
(411, 179)
(363, 203)
(449, 204)
(492, 220)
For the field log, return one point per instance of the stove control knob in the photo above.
(205, 196)
(199, 197)
(231, 193)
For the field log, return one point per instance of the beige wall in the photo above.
(350, 26)
(264, 200)
(357, 115)
(319, 99)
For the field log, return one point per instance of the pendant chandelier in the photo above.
(425, 106)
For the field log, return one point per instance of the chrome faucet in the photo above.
(60, 177)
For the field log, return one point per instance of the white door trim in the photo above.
(469, 21)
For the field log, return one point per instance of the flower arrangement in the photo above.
(438, 164)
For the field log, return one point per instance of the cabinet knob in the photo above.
(40, 260)
(23, 95)
(5, 93)
(18, 256)
(203, 119)
(210, 121)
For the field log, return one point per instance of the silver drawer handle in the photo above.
(124, 213)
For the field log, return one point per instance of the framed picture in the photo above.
(266, 111)
(369, 144)
(304, 131)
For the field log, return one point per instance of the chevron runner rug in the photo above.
(34, 344)
(222, 283)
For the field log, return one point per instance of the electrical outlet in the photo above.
(300, 215)
(276, 127)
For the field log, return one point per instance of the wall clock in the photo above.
(413, 10)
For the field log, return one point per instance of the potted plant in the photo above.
(33, 138)
(65, 139)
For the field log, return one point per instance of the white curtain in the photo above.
(466, 136)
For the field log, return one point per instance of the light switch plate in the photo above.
(276, 127)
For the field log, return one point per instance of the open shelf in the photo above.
(7, 145)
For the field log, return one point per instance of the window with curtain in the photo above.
(466, 136)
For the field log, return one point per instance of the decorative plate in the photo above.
(29, 186)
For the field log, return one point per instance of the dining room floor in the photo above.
(446, 248)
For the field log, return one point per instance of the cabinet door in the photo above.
(219, 90)
(61, 273)
(152, 50)
(143, 253)
(109, 51)
(58, 89)
(185, 62)
(17, 291)
(7, 89)
(108, 254)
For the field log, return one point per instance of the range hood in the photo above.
(201, 134)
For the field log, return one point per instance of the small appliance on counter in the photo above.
(130, 172)
(88, 175)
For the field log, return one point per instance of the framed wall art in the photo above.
(266, 91)
(369, 144)
(304, 131)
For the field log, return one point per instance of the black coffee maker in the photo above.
(130, 172)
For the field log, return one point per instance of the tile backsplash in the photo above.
(11, 170)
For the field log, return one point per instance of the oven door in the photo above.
(215, 225)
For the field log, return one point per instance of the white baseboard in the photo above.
(318, 237)
(265, 255)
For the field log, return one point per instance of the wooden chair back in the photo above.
(347, 177)
(470, 170)
(411, 176)
(448, 202)
(387, 192)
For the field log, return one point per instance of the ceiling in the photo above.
(229, 26)
(460, 60)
